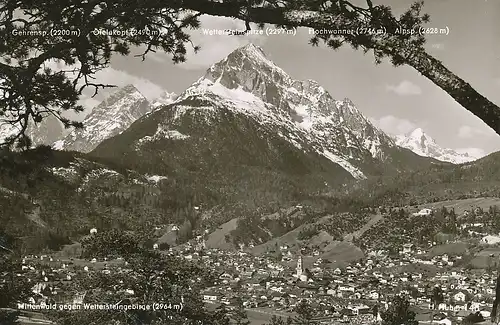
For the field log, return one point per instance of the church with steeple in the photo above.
(300, 274)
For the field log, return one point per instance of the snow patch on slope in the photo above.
(308, 118)
(64, 172)
(96, 174)
(162, 133)
(242, 100)
(155, 178)
(355, 172)
(58, 145)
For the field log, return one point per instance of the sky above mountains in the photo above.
(397, 100)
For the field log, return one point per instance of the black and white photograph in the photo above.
(249, 162)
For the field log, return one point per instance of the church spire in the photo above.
(300, 267)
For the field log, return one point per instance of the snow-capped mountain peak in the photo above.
(418, 133)
(248, 82)
(111, 117)
(165, 98)
(417, 141)
(424, 145)
(250, 53)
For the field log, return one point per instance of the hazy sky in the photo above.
(396, 99)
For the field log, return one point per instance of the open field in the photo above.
(452, 249)
(461, 206)
(260, 316)
(358, 233)
(78, 262)
(257, 316)
(217, 238)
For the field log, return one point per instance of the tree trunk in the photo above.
(494, 310)
(428, 66)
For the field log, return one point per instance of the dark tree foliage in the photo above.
(240, 315)
(399, 313)
(305, 314)
(307, 233)
(437, 296)
(151, 276)
(473, 319)
(222, 315)
(275, 320)
(113, 243)
(494, 310)
(31, 89)
(13, 289)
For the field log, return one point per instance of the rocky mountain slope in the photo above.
(43, 192)
(111, 117)
(440, 182)
(422, 144)
(49, 197)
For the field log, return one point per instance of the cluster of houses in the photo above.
(350, 292)
(353, 290)
(49, 277)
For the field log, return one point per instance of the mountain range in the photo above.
(246, 111)
(111, 117)
(247, 83)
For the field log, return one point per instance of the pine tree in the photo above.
(240, 315)
(437, 296)
(13, 289)
(399, 313)
(275, 320)
(494, 309)
(305, 314)
(221, 313)
(453, 221)
(152, 276)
